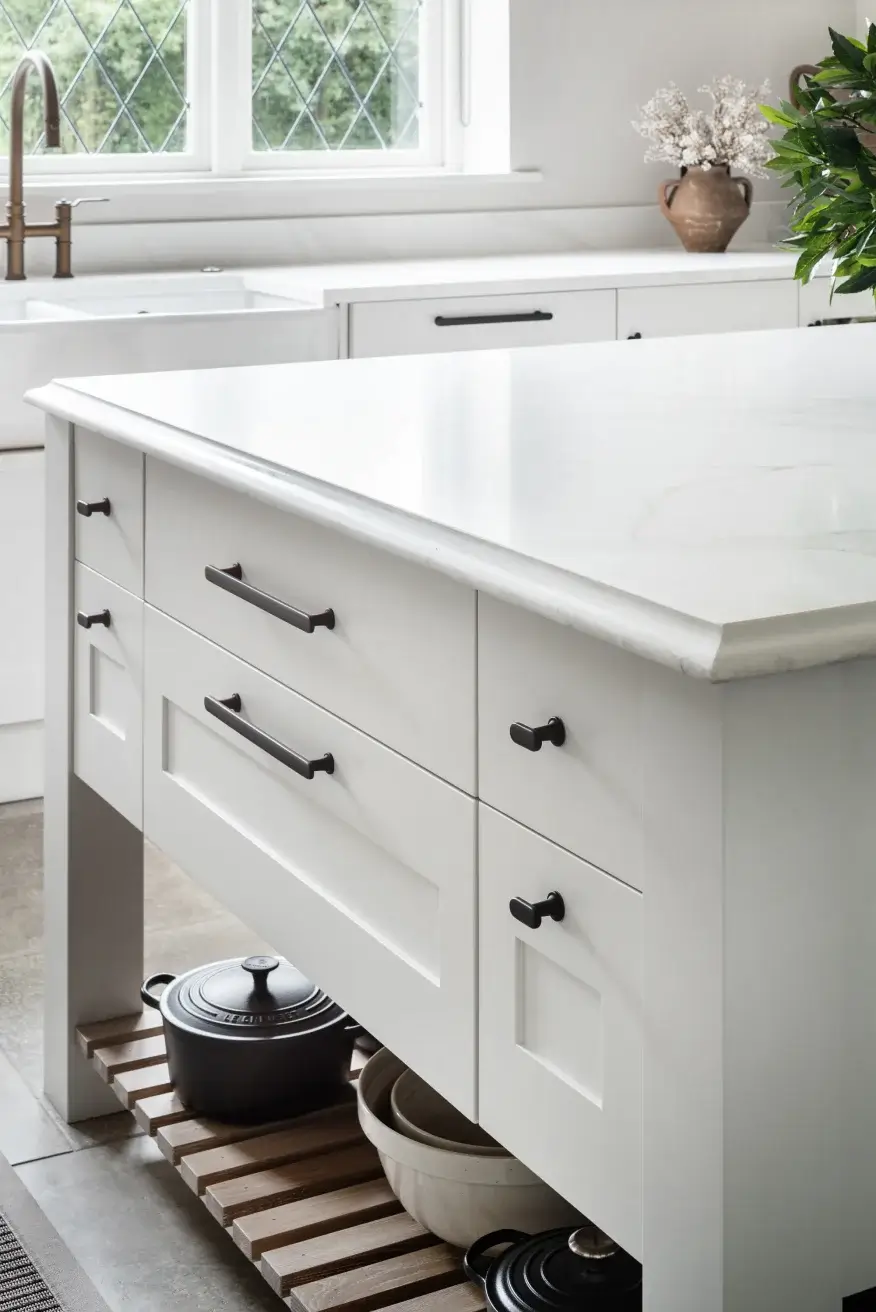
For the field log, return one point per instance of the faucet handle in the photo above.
(85, 200)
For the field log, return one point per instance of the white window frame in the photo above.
(218, 83)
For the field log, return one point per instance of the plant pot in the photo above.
(706, 207)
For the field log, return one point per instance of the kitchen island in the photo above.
(373, 648)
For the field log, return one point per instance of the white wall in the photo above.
(580, 69)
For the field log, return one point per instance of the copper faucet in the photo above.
(16, 230)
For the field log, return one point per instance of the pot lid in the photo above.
(565, 1271)
(249, 995)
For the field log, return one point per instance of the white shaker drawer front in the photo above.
(108, 693)
(109, 503)
(560, 1023)
(397, 658)
(468, 323)
(726, 307)
(816, 305)
(363, 876)
(577, 702)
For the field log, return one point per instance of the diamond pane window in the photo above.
(336, 75)
(121, 71)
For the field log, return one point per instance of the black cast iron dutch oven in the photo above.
(252, 1039)
(568, 1270)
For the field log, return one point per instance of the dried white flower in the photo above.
(733, 132)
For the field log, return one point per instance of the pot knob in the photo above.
(591, 1244)
(260, 968)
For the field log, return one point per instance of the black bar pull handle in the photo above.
(463, 320)
(88, 621)
(231, 580)
(525, 735)
(89, 508)
(532, 914)
(228, 711)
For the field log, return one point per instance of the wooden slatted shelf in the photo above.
(305, 1200)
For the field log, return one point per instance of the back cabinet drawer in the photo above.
(585, 792)
(108, 480)
(727, 307)
(362, 876)
(467, 323)
(108, 692)
(399, 661)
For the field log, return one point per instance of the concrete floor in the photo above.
(134, 1227)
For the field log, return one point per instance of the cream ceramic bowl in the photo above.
(458, 1196)
(419, 1112)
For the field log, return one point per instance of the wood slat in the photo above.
(261, 1231)
(367, 1288)
(313, 1259)
(458, 1298)
(335, 1128)
(105, 1033)
(118, 1057)
(160, 1109)
(142, 1082)
(285, 1184)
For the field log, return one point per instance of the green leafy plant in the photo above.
(826, 155)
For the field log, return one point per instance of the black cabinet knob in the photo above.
(89, 508)
(552, 732)
(634, 337)
(532, 914)
(87, 621)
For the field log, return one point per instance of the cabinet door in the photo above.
(470, 323)
(108, 693)
(727, 307)
(110, 540)
(560, 1025)
(21, 624)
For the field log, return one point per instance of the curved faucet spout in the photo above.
(36, 61)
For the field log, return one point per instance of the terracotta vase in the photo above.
(706, 207)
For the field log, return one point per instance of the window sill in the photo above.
(265, 194)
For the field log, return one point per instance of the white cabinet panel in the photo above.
(726, 307)
(560, 1025)
(363, 877)
(399, 661)
(816, 304)
(468, 323)
(21, 623)
(108, 693)
(109, 539)
(585, 794)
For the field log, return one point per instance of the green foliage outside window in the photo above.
(344, 77)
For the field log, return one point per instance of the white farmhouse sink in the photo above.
(132, 323)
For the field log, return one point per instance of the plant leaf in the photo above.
(848, 51)
(860, 282)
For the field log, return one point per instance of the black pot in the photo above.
(568, 1270)
(252, 1039)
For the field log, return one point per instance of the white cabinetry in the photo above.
(726, 307)
(816, 304)
(21, 624)
(560, 1024)
(468, 323)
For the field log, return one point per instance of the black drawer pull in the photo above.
(228, 711)
(532, 914)
(463, 320)
(552, 732)
(88, 621)
(89, 508)
(634, 337)
(231, 580)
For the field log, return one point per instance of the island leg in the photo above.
(93, 856)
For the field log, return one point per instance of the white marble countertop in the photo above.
(708, 502)
(376, 280)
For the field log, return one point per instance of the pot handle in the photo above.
(666, 192)
(149, 984)
(475, 1265)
